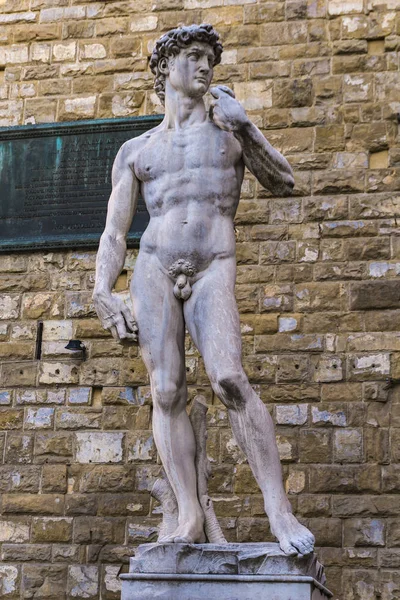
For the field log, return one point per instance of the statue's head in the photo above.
(187, 56)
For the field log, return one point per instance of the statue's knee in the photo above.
(166, 395)
(231, 389)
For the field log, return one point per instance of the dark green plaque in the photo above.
(55, 182)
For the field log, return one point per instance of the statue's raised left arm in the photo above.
(265, 162)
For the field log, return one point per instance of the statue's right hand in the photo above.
(115, 316)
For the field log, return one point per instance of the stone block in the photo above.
(13, 264)
(19, 448)
(111, 584)
(99, 530)
(294, 342)
(315, 446)
(44, 581)
(80, 395)
(5, 397)
(121, 395)
(53, 447)
(327, 531)
(26, 552)
(51, 529)
(57, 330)
(11, 418)
(318, 296)
(53, 373)
(260, 368)
(329, 415)
(364, 367)
(291, 414)
(338, 181)
(81, 504)
(254, 95)
(10, 304)
(33, 504)
(293, 368)
(348, 446)
(142, 530)
(123, 504)
(15, 530)
(140, 446)
(340, 7)
(83, 581)
(278, 298)
(277, 252)
(327, 368)
(99, 447)
(67, 553)
(19, 479)
(364, 532)
(374, 295)
(329, 138)
(107, 478)
(295, 483)
(345, 479)
(78, 418)
(292, 93)
(54, 478)
(9, 581)
(39, 418)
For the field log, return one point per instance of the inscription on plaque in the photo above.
(55, 182)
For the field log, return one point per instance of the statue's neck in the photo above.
(182, 111)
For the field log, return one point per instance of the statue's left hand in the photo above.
(225, 111)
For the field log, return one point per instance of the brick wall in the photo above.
(318, 289)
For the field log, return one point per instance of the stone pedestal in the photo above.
(222, 572)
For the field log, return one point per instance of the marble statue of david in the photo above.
(189, 170)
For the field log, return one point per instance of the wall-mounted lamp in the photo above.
(78, 348)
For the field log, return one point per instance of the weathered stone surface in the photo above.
(53, 447)
(45, 581)
(99, 447)
(374, 295)
(33, 504)
(48, 529)
(54, 478)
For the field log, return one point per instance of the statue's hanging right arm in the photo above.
(111, 310)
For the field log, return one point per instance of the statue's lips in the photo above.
(201, 79)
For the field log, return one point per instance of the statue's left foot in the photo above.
(293, 537)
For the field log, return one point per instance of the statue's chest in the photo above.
(172, 152)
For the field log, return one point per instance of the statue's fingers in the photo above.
(227, 90)
(121, 328)
(214, 91)
(114, 332)
(221, 123)
(123, 334)
(130, 321)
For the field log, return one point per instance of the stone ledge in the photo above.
(168, 586)
(222, 572)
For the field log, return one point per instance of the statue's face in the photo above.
(191, 70)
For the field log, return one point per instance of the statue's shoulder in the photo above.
(132, 147)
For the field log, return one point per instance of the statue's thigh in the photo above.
(160, 321)
(212, 319)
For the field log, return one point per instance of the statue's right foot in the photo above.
(190, 532)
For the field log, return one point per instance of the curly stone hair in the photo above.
(172, 42)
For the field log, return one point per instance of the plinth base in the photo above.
(222, 572)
